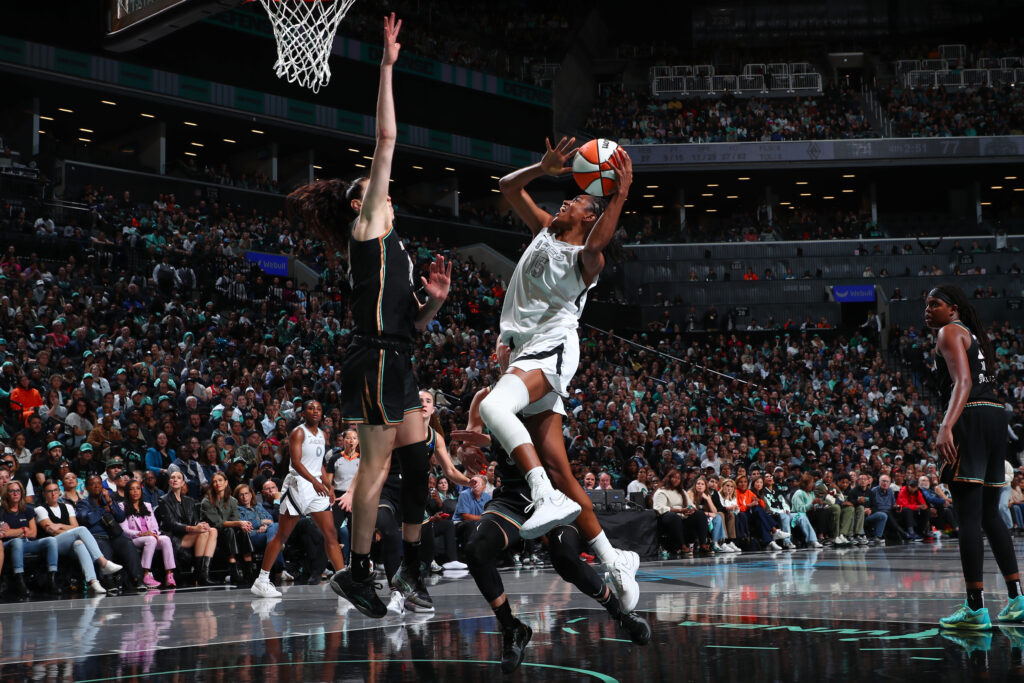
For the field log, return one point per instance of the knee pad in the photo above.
(498, 411)
(413, 490)
(484, 544)
(386, 523)
(564, 546)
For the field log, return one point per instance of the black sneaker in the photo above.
(514, 648)
(362, 594)
(636, 626)
(413, 589)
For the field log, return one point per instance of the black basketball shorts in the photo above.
(377, 384)
(981, 441)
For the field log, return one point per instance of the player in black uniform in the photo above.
(378, 390)
(972, 443)
(390, 510)
(499, 529)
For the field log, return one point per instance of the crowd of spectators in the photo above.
(145, 347)
(954, 112)
(464, 33)
(634, 118)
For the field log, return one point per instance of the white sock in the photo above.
(264, 575)
(602, 548)
(540, 485)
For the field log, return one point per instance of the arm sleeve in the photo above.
(209, 513)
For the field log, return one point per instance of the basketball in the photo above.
(591, 168)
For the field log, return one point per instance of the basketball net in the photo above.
(304, 30)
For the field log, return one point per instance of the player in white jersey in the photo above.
(539, 319)
(305, 491)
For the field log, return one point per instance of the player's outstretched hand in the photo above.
(391, 44)
(440, 279)
(472, 458)
(471, 437)
(554, 159)
(623, 166)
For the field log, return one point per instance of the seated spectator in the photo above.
(56, 518)
(86, 465)
(940, 507)
(803, 502)
(851, 524)
(702, 499)
(19, 535)
(151, 494)
(757, 518)
(913, 510)
(883, 499)
(776, 505)
(102, 517)
(72, 489)
(679, 520)
(178, 516)
(220, 511)
(188, 464)
(159, 457)
(604, 481)
(141, 527)
(210, 461)
(725, 501)
(263, 525)
(589, 481)
(1016, 503)
(17, 449)
(639, 485)
(470, 506)
(874, 521)
(26, 398)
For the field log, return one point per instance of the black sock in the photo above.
(411, 558)
(974, 598)
(611, 603)
(1013, 588)
(360, 566)
(504, 614)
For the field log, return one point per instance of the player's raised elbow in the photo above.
(387, 134)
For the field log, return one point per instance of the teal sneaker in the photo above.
(1013, 612)
(967, 619)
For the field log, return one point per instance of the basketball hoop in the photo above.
(304, 30)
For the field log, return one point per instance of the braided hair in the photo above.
(325, 208)
(969, 317)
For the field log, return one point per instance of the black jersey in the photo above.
(381, 275)
(513, 483)
(983, 388)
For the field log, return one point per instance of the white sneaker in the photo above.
(815, 545)
(396, 607)
(454, 565)
(841, 540)
(96, 587)
(535, 561)
(435, 567)
(734, 548)
(788, 545)
(774, 546)
(549, 511)
(264, 589)
(780, 534)
(622, 574)
(285, 576)
(110, 568)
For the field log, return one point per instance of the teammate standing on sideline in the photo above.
(379, 393)
(972, 443)
(305, 492)
(539, 318)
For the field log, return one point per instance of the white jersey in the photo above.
(313, 449)
(546, 292)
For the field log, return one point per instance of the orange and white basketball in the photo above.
(591, 169)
